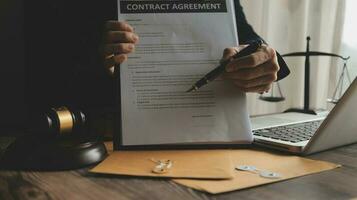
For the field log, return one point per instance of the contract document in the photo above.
(180, 41)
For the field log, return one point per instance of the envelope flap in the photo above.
(208, 164)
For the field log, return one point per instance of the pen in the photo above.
(210, 76)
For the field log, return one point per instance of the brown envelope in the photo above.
(208, 164)
(286, 165)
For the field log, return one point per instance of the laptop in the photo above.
(306, 134)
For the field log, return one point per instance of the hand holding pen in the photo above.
(253, 69)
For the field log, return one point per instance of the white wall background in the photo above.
(349, 37)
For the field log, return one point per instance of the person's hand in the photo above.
(119, 41)
(253, 73)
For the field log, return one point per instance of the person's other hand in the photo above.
(119, 41)
(253, 73)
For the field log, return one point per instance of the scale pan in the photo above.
(272, 99)
(334, 101)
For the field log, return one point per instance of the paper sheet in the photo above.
(287, 166)
(180, 41)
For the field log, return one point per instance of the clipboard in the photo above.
(224, 117)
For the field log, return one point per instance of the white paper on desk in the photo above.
(178, 45)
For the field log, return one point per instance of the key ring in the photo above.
(162, 167)
(262, 173)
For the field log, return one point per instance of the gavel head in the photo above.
(61, 121)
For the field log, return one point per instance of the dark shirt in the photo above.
(246, 33)
(63, 62)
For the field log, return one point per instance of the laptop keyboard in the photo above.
(290, 133)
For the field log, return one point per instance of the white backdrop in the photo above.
(285, 24)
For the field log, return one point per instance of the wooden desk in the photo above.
(340, 183)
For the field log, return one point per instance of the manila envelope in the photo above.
(198, 164)
(287, 166)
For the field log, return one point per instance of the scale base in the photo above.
(299, 110)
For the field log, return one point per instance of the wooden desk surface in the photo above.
(340, 183)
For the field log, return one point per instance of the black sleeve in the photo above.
(246, 34)
(64, 65)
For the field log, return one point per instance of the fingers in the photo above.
(120, 32)
(118, 26)
(259, 57)
(253, 73)
(122, 36)
(119, 41)
(229, 52)
(119, 48)
(113, 60)
(263, 80)
(258, 89)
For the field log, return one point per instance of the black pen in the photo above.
(210, 76)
